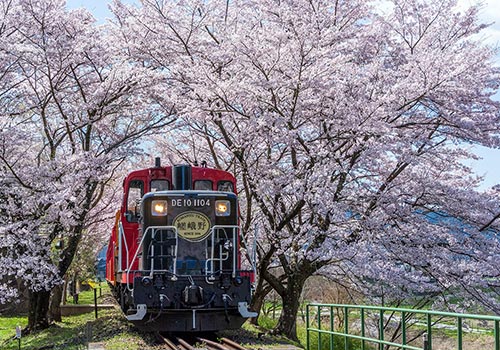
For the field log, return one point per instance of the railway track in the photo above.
(176, 343)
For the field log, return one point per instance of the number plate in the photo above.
(191, 202)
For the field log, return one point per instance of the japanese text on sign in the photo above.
(192, 226)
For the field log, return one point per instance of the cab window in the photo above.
(135, 193)
(203, 185)
(225, 186)
(159, 185)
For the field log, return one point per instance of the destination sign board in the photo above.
(192, 226)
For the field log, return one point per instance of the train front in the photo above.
(189, 276)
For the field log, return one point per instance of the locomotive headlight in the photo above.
(222, 208)
(159, 208)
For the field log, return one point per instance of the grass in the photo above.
(326, 341)
(74, 332)
(256, 337)
(337, 342)
(8, 326)
(112, 329)
(59, 333)
(87, 296)
(115, 332)
(267, 322)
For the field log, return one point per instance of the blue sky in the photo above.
(99, 8)
(489, 166)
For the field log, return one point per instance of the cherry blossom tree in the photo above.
(348, 126)
(345, 124)
(73, 108)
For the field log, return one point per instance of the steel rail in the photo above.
(212, 344)
(167, 341)
(185, 344)
(231, 343)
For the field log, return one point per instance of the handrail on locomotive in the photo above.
(209, 268)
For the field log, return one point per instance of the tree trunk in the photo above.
(38, 315)
(287, 324)
(55, 304)
(258, 297)
(38, 310)
(263, 287)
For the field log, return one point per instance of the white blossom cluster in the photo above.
(347, 127)
(73, 108)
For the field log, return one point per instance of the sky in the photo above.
(98, 8)
(488, 166)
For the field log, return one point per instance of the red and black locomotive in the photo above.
(173, 259)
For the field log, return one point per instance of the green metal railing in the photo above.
(320, 320)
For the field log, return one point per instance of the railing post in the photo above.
(346, 328)
(497, 335)
(331, 327)
(429, 332)
(459, 333)
(307, 328)
(381, 329)
(363, 328)
(319, 327)
(403, 327)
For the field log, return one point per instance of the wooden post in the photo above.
(95, 301)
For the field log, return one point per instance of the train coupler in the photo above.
(243, 310)
(141, 311)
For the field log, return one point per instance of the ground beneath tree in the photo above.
(113, 331)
